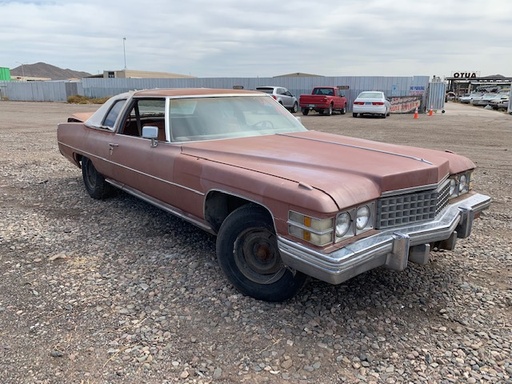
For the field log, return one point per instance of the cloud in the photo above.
(229, 38)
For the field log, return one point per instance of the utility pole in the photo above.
(22, 68)
(124, 51)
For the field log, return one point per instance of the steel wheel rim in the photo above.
(257, 256)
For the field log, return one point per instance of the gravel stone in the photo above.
(117, 291)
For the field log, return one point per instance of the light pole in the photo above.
(22, 68)
(124, 51)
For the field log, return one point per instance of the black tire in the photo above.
(295, 108)
(94, 182)
(343, 111)
(354, 115)
(328, 111)
(248, 255)
(305, 111)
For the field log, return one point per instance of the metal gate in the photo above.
(436, 96)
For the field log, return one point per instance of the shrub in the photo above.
(79, 99)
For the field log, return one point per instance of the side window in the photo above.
(145, 112)
(110, 119)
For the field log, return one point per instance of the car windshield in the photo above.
(370, 95)
(208, 118)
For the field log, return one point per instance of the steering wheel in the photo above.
(263, 124)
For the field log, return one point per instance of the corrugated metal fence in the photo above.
(391, 86)
(39, 90)
(92, 87)
(509, 110)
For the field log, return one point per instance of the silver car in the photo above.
(282, 95)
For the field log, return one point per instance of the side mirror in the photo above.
(150, 132)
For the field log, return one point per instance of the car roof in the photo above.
(177, 92)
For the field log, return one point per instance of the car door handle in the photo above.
(111, 147)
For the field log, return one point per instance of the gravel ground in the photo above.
(117, 291)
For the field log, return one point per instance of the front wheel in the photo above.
(94, 182)
(249, 257)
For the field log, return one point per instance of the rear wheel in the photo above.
(295, 108)
(249, 257)
(354, 115)
(328, 111)
(94, 182)
(343, 111)
(305, 111)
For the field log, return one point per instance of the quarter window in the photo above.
(110, 119)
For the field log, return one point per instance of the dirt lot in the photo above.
(117, 291)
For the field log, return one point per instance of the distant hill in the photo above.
(48, 71)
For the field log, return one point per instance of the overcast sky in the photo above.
(265, 38)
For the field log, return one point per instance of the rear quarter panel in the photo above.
(75, 139)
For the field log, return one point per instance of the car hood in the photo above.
(349, 170)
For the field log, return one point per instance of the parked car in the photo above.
(324, 100)
(282, 95)
(466, 98)
(478, 99)
(500, 104)
(489, 98)
(284, 202)
(371, 103)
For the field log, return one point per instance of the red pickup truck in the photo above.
(324, 100)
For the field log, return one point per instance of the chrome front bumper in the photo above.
(392, 248)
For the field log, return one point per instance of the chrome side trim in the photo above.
(164, 206)
(91, 156)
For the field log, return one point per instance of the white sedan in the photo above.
(371, 103)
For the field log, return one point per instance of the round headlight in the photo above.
(342, 224)
(363, 217)
(463, 183)
(453, 187)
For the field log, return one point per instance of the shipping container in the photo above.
(5, 74)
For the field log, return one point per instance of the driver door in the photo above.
(137, 164)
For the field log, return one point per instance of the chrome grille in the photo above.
(393, 211)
